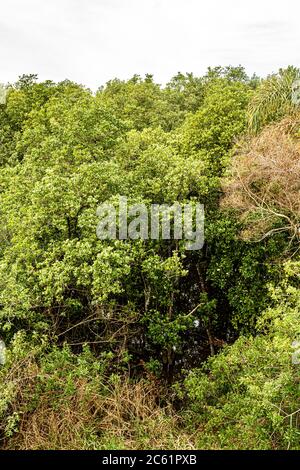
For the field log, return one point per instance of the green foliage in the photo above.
(247, 397)
(240, 269)
(273, 99)
(145, 308)
(140, 103)
(210, 132)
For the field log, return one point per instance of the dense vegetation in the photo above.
(141, 343)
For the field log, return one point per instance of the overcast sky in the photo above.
(92, 41)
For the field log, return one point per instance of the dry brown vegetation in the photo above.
(80, 415)
(265, 182)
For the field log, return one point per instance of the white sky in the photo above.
(92, 41)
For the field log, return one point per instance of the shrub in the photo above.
(247, 397)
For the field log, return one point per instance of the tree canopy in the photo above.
(208, 331)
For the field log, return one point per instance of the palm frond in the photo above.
(273, 99)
